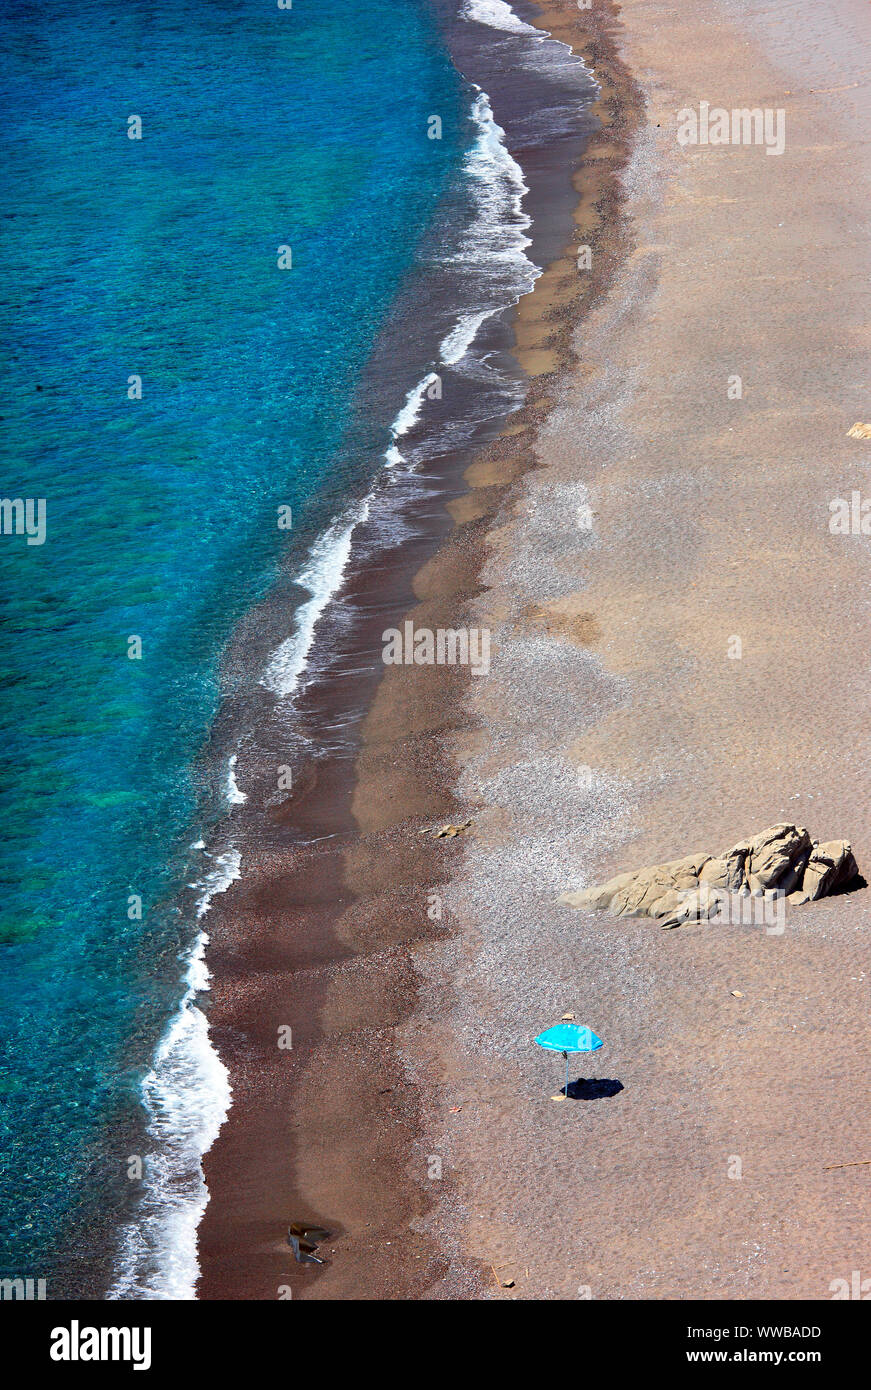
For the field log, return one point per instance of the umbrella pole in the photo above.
(566, 1055)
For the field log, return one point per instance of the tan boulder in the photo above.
(777, 858)
(598, 897)
(698, 905)
(829, 866)
(782, 860)
(666, 904)
(637, 894)
(727, 870)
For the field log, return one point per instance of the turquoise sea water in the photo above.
(157, 257)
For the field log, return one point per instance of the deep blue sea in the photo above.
(157, 258)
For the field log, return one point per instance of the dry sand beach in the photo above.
(618, 726)
(611, 652)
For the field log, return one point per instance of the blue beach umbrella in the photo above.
(566, 1038)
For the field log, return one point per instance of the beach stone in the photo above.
(774, 854)
(666, 904)
(599, 897)
(726, 870)
(782, 859)
(638, 897)
(829, 866)
(694, 906)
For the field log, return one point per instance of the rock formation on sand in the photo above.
(782, 860)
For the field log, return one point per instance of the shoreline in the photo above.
(423, 708)
(346, 978)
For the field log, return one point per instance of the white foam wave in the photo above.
(499, 229)
(497, 15)
(494, 244)
(457, 343)
(408, 417)
(235, 796)
(494, 247)
(322, 577)
(186, 1095)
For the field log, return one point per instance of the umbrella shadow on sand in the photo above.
(594, 1089)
